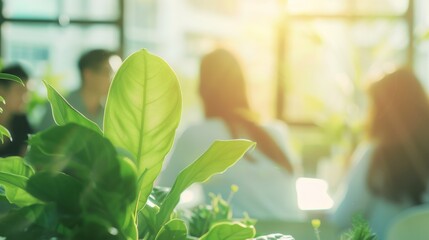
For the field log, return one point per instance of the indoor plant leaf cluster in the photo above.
(5, 76)
(80, 182)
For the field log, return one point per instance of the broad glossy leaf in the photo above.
(22, 223)
(14, 174)
(175, 229)
(142, 113)
(229, 231)
(10, 77)
(64, 113)
(60, 188)
(218, 158)
(4, 132)
(108, 180)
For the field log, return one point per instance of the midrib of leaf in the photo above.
(143, 114)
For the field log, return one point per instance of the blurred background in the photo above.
(308, 61)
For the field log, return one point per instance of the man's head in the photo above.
(96, 70)
(14, 94)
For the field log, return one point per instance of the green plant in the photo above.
(202, 217)
(360, 231)
(78, 181)
(5, 76)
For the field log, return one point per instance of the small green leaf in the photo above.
(14, 174)
(142, 113)
(15, 165)
(2, 100)
(64, 113)
(4, 132)
(229, 231)
(11, 77)
(173, 230)
(218, 158)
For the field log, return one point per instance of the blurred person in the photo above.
(13, 116)
(96, 72)
(265, 176)
(390, 172)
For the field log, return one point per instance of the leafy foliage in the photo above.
(360, 230)
(5, 76)
(201, 218)
(81, 182)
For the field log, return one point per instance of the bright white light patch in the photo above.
(115, 62)
(313, 194)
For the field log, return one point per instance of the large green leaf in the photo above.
(217, 159)
(64, 113)
(81, 172)
(31, 222)
(229, 231)
(175, 229)
(57, 187)
(142, 113)
(14, 174)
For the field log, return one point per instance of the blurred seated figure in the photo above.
(13, 116)
(266, 175)
(390, 172)
(96, 73)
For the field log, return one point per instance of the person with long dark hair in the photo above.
(391, 171)
(265, 176)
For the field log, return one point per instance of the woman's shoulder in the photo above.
(213, 123)
(275, 124)
(210, 128)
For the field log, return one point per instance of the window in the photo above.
(333, 47)
(48, 37)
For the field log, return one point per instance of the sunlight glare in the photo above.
(115, 62)
(313, 194)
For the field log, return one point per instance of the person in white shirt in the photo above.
(390, 173)
(266, 175)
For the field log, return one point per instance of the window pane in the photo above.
(347, 6)
(381, 6)
(329, 62)
(317, 6)
(422, 41)
(141, 15)
(74, 9)
(227, 7)
(54, 49)
(31, 8)
(91, 9)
